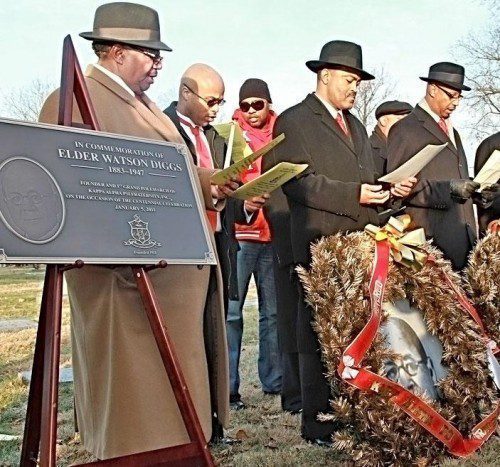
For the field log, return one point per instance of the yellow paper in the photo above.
(490, 172)
(270, 180)
(239, 167)
(240, 148)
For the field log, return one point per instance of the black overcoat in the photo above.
(482, 154)
(378, 143)
(278, 214)
(227, 245)
(450, 224)
(324, 199)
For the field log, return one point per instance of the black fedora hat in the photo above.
(127, 23)
(340, 54)
(449, 74)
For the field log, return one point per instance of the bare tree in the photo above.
(26, 102)
(371, 94)
(481, 58)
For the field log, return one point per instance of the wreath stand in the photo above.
(40, 431)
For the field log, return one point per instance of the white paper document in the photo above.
(414, 165)
(490, 172)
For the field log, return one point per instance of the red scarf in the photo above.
(257, 138)
(259, 230)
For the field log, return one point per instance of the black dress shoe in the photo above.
(323, 442)
(237, 405)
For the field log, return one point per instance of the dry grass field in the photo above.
(268, 437)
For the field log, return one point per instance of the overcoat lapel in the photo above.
(319, 109)
(431, 126)
(356, 134)
(147, 110)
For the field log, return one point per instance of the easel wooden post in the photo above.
(40, 431)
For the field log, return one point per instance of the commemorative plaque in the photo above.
(68, 194)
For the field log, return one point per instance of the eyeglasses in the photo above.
(451, 96)
(210, 101)
(256, 105)
(156, 57)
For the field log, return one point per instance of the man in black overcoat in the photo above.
(490, 210)
(387, 114)
(336, 193)
(441, 201)
(287, 295)
(201, 93)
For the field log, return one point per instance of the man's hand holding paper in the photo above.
(403, 188)
(257, 202)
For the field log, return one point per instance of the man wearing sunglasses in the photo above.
(441, 201)
(201, 95)
(255, 256)
(123, 398)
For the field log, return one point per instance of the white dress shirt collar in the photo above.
(423, 103)
(115, 78)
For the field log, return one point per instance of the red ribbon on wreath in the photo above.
(350, 370)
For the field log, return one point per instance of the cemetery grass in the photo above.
(267, 436)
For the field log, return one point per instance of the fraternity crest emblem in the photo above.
(141, 237)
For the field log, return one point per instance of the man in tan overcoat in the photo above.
(124, 399)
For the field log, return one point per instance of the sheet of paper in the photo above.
(241, 148)
(490, 172)
(238, 167)
(229, 150)
(414, 165)
(270, 180)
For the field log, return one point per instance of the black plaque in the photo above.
(69, 194)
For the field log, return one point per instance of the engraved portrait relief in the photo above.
(31, 202)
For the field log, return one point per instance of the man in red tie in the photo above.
(336, 193)
(441, 201)
(201, 94)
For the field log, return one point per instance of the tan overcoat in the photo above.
(123, 397)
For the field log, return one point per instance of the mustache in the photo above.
(352, 94)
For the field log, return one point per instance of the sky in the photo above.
(267, 39)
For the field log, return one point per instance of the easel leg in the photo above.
(51, 371)
(31, 438)
(41, 421)
(171, 363)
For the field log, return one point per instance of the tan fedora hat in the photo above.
(128, 23)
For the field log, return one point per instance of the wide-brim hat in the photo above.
(340, 54)
(127, 23)
(449, 74)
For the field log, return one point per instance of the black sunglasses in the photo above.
(210, 101)
(256, 105)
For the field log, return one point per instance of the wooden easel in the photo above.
(40, 431)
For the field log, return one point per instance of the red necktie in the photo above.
(341, 123)
(204, 160)
(443, 126)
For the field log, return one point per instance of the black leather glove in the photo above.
(461, 190)
(487, 196)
